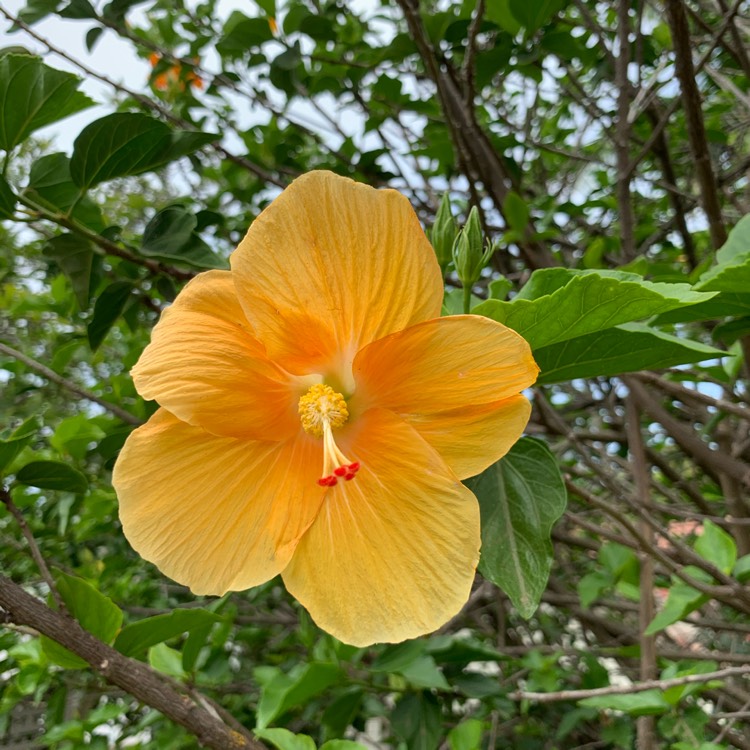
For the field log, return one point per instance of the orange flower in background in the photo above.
(317, 418)
(173, 77)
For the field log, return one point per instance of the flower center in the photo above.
(320, 410)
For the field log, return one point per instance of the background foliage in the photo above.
(605, 146)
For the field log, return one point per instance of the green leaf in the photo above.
(717, 546)
(516, 211)
(166, 660)
(52, 475)
(287, 691)
(635, 704)
(283, 739)
(33, 95)
(7, 200)
(95, 612)
(592, 585)
(137, 637)
(109, 306)
(499, 12)
(417, 720)
(51, 186)
(424, 673)
(559, 304)
(171, 236)
(342, 745)
(395, 658)
(75, 257)
(732, 270)
(723, 305)
(742, 569)
(499, 288)
(627, 348)
(681, 601)
(520, 498)
(241, 34)
(18, 439)
(532, 14)
(128, 143)
(467, 735)
(340, 712)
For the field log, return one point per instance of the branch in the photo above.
(471, 141)
(622, 135)
(713, 462)
(645, 725)
(467, 69)
(696, 128)
(131, 675)
(6, 499)
(638, 687)
(51, 375)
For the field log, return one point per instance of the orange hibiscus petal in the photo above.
(392, 553)
(446, 377)
(214, 513)
(330, 266)
(204, 366)
(472, 438)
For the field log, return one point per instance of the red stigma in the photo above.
(346, 472)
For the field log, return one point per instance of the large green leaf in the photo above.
(33, 95)
(171, 236)
(128, 143)
(627, 348)
(723, 305)
(732, 270)
(94, 611)
(137, 637)
(520, 498)
(75, 257)
(52, 475)
(559, 304)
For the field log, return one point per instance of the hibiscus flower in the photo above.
(317, 416)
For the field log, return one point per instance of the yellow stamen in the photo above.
(321, 410)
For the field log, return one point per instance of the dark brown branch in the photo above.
(622, 134)
(696, 128)
(133, 676)
(483, 161)
(713, 462)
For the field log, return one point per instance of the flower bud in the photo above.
(470, 254)
(443, 232)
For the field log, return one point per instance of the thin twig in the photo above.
(638, 687)
(6, 499)
(51, 375)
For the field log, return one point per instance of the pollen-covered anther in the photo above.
(321, 410)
